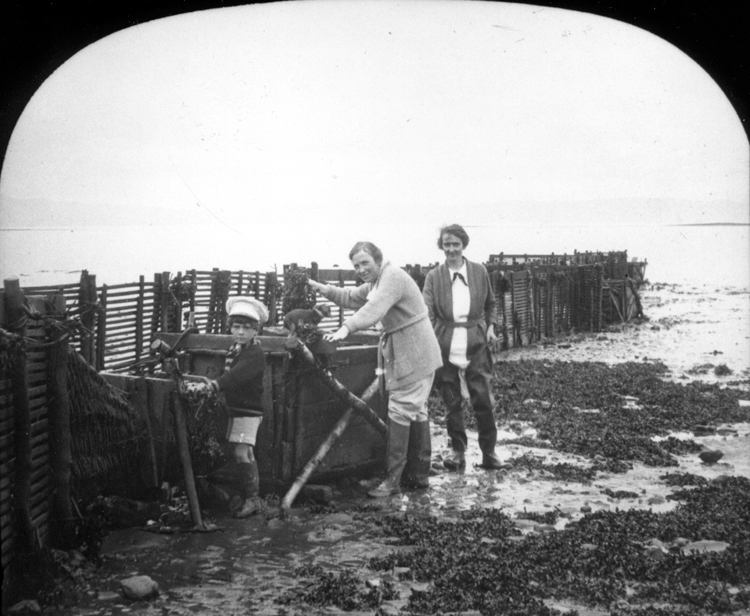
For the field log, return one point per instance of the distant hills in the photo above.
(42, 213)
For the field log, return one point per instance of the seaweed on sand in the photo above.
(633, 401)
(479, 561)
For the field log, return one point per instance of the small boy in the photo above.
(242, 387)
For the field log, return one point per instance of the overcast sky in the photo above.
(416, 112)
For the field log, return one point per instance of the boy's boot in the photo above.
(250, 489)
(395, 460)
(418, 457)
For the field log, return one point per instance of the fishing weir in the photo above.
(88, 405)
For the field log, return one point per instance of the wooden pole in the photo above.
(325, 447)
(60, 441)
(155, 316)
(271, 289)
(101, 330)
(187, 464)
(139, 319)
(16, 315)
(164, 302)
(298, 349)
(225, 283)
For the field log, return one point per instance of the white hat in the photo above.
(243, 306)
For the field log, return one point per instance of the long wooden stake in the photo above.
(187, 464)
(298, 349)
(324, 448)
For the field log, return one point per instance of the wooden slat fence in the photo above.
(543, 296)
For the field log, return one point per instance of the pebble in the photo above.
(27, 606)
(711, 457)
(705, 546)
(655, 552)
(139, 587)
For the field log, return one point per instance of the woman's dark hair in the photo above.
(241, 318)
(456, 230)
(368, 247)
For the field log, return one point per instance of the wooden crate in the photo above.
(299, 411)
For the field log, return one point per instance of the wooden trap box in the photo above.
(299, 410)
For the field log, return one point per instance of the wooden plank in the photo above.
(140, 400)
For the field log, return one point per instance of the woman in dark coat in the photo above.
(461, 306)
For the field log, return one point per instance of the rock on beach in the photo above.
(139, 587)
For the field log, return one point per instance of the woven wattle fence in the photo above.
(107, 436)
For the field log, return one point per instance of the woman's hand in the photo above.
(315, 285)
(491, 335)
(342, 333)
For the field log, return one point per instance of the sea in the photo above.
(717, 254)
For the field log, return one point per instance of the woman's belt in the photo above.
(467, 324)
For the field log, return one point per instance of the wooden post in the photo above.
(225, 283)
(87, 303)
(60, 439)
(211, 326)
(256, 285)
(177, 322)
(139, 318)
(164, 302)
(187, 464)
(101, 330)
(16, 315)
(240, 277)
(271, 289)
(193, 287)
(155, 316)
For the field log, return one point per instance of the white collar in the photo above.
(461, 270)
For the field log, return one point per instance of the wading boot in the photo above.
(395, 460)
(491, 462)
(456, 461)
(250, 489)
(419, 457)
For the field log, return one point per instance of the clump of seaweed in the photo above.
(296, 292)
(479, 561)
(343, 590)
(722, 370)
(683, 479)
(562, 470)
(618, 494)
(634, 405)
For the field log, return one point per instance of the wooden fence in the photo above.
(542, 296)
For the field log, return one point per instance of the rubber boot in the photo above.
(395, 460)
(250, 489)
(419, 457)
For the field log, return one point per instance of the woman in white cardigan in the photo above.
(410, 356)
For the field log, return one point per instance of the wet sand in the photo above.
(248, 565)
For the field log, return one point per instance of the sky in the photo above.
(320, 123)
